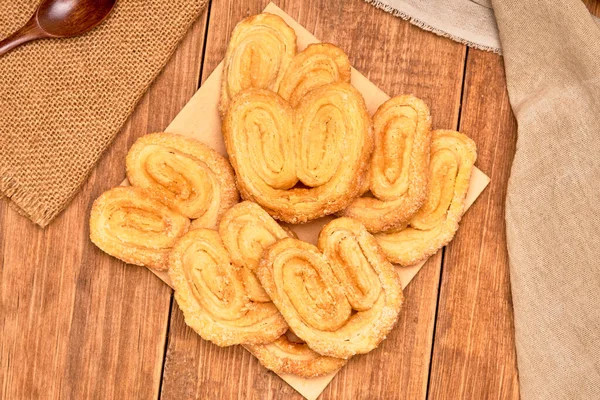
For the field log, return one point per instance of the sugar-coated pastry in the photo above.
(291, 357)
(246, 230)
(317, 65)
(434, 225)
(136, 226)
(341, 298)
(399, 165)
(197, 180)
(259, 51)
(211, 292)
(304, 163)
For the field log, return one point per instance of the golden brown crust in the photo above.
(317, 65)
(246, 230)
(211, 293)
(399, 165)
(259, 52)
(136, 226)
(452, 158)
(197, 180)
(284, 356)
(317, 289)
(325, 144)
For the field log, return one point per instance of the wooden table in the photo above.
(79, 324)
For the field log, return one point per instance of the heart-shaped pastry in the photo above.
(434, 225)
(259, 51)
(399, 165)
(323, 145)
(214, 282)
(341, 298)
(197, 181)
(136, 225)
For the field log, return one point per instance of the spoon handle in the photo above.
(30, 31)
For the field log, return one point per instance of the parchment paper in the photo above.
(200, 119)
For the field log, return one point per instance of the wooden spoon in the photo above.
(59, 19)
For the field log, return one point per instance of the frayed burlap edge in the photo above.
(425, 26)
(26, 204)
(9, 188)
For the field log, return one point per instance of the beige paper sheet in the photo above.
(200, 119)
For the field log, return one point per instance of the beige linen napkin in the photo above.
(63, 101)
(552, 60)
(469, 22)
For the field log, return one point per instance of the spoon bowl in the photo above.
(60, 19)
(67, 18)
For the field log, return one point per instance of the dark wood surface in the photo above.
(76, 323)
(473, 351)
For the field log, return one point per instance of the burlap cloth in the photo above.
(63, 101)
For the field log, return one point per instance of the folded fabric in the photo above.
(469, 22)
(552, 55)
(63, 101)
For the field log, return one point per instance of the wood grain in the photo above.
(77, 323)
(474, 350)
(593, 6)
(399, 58)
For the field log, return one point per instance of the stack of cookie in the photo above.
(301, 146)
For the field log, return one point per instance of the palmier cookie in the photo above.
(285, 356)
(304, 163)
(399, 165)
(259, 51)
(246, 230)
(196, 180)
(341, 298)
(452, 157)
(214, 281)
(136, 225)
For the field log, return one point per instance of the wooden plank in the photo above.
(399, 58)
(593, 6)
(474, 351)
(77, 323)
